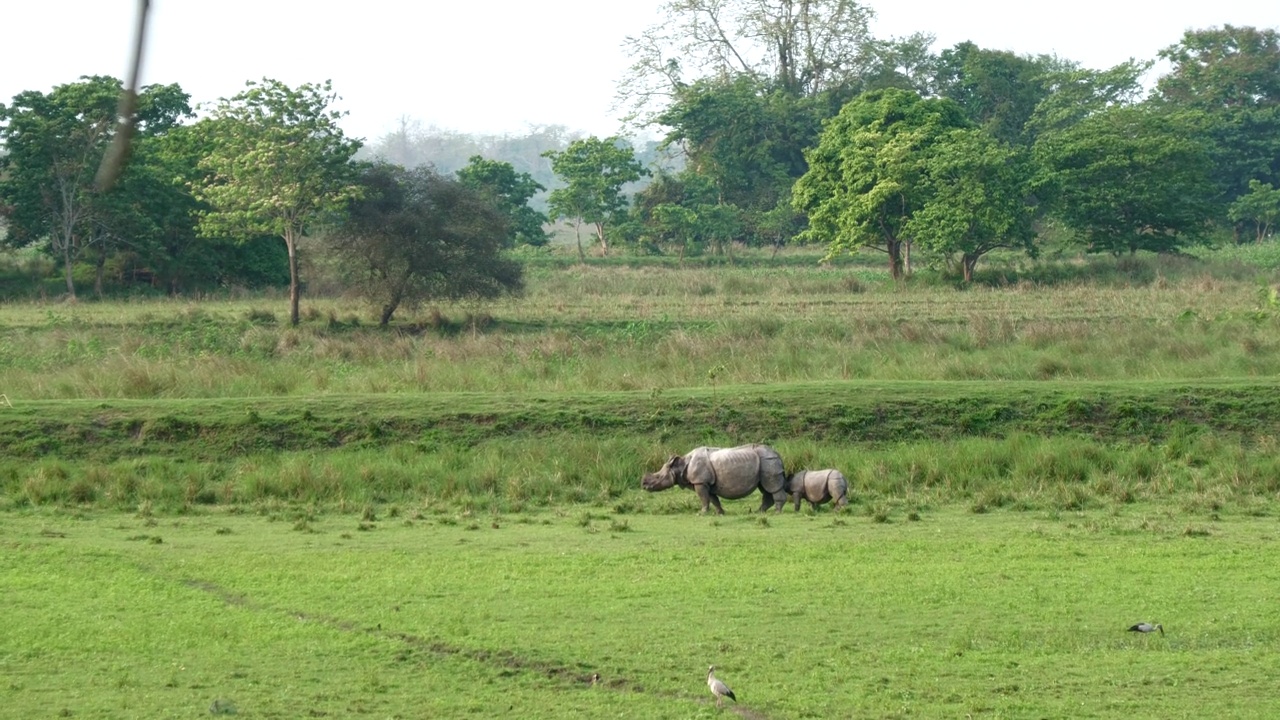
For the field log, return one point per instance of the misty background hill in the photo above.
(413, 144)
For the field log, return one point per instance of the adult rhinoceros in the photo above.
(730, 473)
(819, 486)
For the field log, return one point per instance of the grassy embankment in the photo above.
(1152, 380)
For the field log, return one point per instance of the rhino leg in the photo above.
(778, 499)
(765, 500)
(796, 496)
(704, 494)
(715, 500)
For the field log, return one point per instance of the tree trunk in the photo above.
(99, 271)
(604, 244)
(895, 258)
(577, 232)
(907, 257)
(66, 269)
(967, 264)
(291, 243)
(390, 306)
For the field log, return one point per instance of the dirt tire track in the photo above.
(558, 672)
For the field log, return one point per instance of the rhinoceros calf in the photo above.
(731, 473)
(818, 486)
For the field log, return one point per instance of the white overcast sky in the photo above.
(495, 66)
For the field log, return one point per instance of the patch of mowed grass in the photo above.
(912, 617)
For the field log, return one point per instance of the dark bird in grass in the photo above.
(1147, 627)
(719, 689)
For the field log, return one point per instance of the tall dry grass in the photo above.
(625, 328)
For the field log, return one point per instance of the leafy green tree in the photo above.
(167, 248)
(1261, 206)
(413, 235)
(594, 172)
(746, 139)
(867, 175)
(1230, 76)
(1129, 179)
(780, 224)
(998, 89)
(979, 199)
(1076, 93)
(1223, 67)
(512, 192)
(719, 223)
(54, 143)
(278, 164)
(687, 188)
(675, 225)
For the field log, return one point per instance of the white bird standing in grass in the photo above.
(719, 689)
(1147, 627)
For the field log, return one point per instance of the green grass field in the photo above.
(110, 615)
(204, 511)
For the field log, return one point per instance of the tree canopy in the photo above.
(54, 144)
(867, 175)
(803, 47)
(594, 171)
(511, 191)
(414, 235)
(279, 163)
(1229, 77)
(978, 199)
(1129, 179)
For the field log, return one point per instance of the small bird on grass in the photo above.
(1147, 627)
(719, 689)
(595, 679)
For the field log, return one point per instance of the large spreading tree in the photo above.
(278, 164)
(1129, 179)
(1229, 77)
(54, 144)
(868, 174)
(978, 199)
(800, 47)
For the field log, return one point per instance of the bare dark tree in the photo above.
(415, 236)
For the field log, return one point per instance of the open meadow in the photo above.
(411, 616)
(205, 510)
